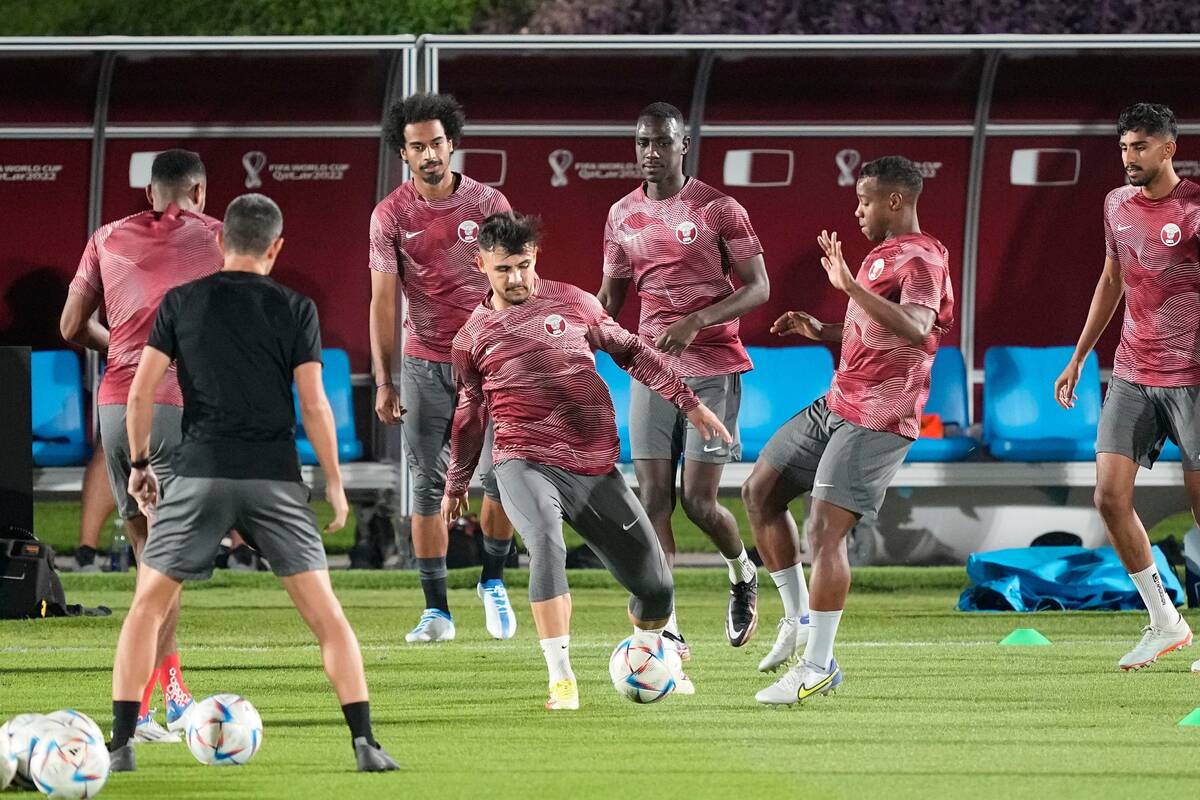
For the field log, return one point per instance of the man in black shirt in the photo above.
(239, 340)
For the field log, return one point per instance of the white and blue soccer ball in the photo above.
(641, 673)
(224, 730)
(22, 733)
(79, 722)
(8, 762)
(69, 763)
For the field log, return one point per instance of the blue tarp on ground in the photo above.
(1057, 578)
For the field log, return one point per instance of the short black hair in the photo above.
(895, 171)
(422, 107)
(252, 224)
(1153, 118)
(176, 169)
(510, 231)
(664, 112)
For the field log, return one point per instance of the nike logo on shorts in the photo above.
(708, 449)
(630, 525)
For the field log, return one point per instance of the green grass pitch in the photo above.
(931, 706)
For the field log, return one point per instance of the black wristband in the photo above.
(385, 383)
(140, 463)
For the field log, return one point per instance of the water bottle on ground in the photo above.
(119, 552)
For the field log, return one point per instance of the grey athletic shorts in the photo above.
(840, 462)
(164, 438)
(194, 514)
(429, 395)
(606, 514)
(659, 430)
(1137, 420)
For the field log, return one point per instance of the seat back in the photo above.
(1018, 395)
(57, 390)
(618, 382)
(948, 388)
(336, 378)
(784, 380)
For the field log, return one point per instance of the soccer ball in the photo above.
(641, 673)
(22, 733)
(79, 723)
(8, 763)
(224, 730)
(67, 763)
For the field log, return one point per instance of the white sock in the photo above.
(793, 590)
(1149, 585)
(741, 568)
(557, 651)
(673, 624)
(822, 632)
(646, 637)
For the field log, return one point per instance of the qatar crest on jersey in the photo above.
(876, 269)
(468, 231)
(1170, 234)
(555, 325)
(685, 232)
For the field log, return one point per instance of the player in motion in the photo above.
(423, 237)
(678, 240)
(1152, 258)
(526, 355)
(128, 266)
(847, 446)
(240, 340)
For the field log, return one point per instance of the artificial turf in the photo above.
(931, 706)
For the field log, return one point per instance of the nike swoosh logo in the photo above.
(823, 485)
(708, 449)
(411, 234)
(630, 525)
(487, 351)
(735, 634)
(1124, 227)
(808, 691)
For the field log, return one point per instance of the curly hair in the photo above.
(1153, 118)
(423, 107)
(894, 171)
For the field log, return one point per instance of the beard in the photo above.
(1142, 177)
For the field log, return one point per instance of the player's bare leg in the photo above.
(95, 505)
(500, 620)
(656, 491)
(552, 618)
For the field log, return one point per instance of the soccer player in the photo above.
(1152, 258)
(526, 357)
(678, 240)
(423, 236)
(129, 265)
(239, 340)
(847, 446)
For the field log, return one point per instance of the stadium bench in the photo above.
(618, 381)
(948, 399)
(336, 377)
(784, 380)
(57, 388)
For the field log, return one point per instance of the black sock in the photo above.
(495, 553)
(433, 582)
(125, 714)
(358, 717)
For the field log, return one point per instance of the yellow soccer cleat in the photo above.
(564, 696)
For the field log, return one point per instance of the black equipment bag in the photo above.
(29, 585)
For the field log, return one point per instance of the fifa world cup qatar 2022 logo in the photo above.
(254, 162)
(560, 161)
(847, 162)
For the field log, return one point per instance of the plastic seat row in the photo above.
(58, 409)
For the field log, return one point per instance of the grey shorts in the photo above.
(659, 430)
(840, 462)
(429, 395)
(605, 513)
(194, 514)
(164, 438)
(1137, 420)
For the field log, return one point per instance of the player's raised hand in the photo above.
(1064, 387)
(798, 323)
(143, 487)
(709, 424)
(677, 336)
(336, 495)
(387, 405)
(453, 507)
(833, 261)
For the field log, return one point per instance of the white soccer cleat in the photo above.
(792, 635)
(498, 613)
(149, 731)
(674, 662)
(800, 683)
(676, 640)
(435, 625)
(1196, 666)
(1155, 643)
(564, 696)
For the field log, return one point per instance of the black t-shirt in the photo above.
(236, 338)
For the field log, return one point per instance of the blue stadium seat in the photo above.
(57, 386)
(947, 399)
(784, 381)
(336, 377)
(618, 381)
(1170, 452)
(1022, 421)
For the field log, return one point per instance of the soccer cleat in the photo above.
(683, 684)
(681, 647)
(800, 683)
(150, 732)
(741, 621)
(435, 625)
(372, 757)
(497, 611)
(85, 559)
(122, 759)
(177, 713)
(792, 635)
(1155, 643)
(564, 696)
(1196, 666)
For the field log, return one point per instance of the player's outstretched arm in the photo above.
(77, 324)
(139, 416)
(754, 291)
(800, 323)
(322, 432)
(383, 345)
(1109, 291)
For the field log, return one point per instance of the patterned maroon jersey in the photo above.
(680, 252)
(430, 245)
(1157, 243)
(882, 382)
(532, 368)
(132, 263)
